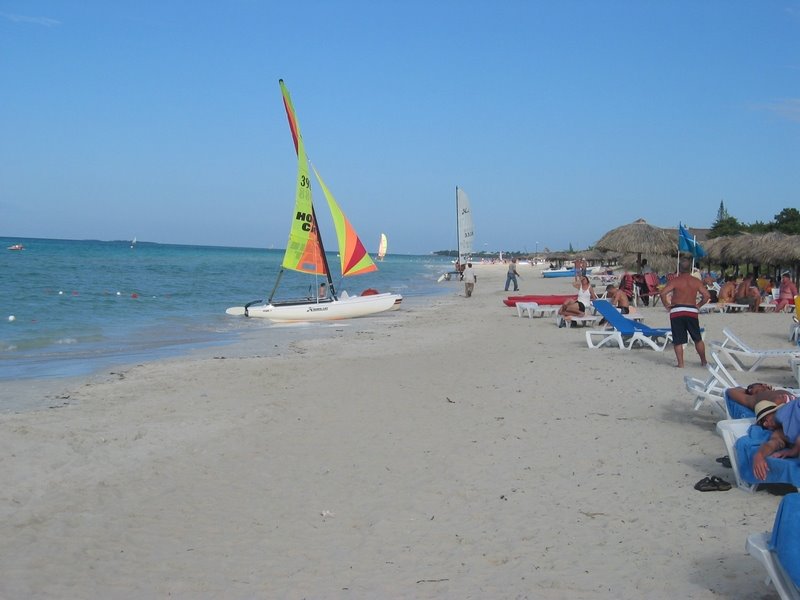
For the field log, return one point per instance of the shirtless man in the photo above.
(756, 392)
(726, 292)
(618, 298)
(679, 297)
(746, 293)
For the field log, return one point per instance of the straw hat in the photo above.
(764, 408)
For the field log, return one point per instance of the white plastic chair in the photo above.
(734, 349)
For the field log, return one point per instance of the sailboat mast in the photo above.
(324, 256)
(458, 231)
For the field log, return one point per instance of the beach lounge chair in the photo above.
(579, 321)
(734, 349)
(779, 551)
(742, 440)
(625, 331)
(731, 430)
(730, 307)
(534, 309)
(714, 388)
(712, 307)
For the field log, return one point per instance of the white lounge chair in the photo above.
(777, 549)
(586, 320)
(713, 388)
(534, 309)
(794, 364)
(733, 307)
(712, 307)
(758, 547)
(734, 349)
(731, 430)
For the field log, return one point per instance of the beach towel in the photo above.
(785, 540)
(738, 411)
(781, 470)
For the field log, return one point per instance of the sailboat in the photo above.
(465, 233)
(382, 246)
(305, 253)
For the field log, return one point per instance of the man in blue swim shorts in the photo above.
(679, 297)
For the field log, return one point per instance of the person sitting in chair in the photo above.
(747, 293)
(619, 299)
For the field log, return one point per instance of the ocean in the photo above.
(73, 307)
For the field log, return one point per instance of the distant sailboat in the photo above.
(466, 230)
(465, 233)
(133, 242)
(382, 246)
(305, 253)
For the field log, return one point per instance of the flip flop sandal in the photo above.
(725, 461)
(722, 485)
(712, 484)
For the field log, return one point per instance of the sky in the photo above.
(561, 119)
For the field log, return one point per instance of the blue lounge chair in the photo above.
(625, 332)
(779, 551)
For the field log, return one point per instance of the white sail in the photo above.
(465, 228)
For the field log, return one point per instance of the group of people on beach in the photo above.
(679, 297)
(750, 293)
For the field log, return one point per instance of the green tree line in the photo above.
(787, 221)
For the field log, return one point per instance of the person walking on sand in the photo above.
(512, 275)
(469, 280)
(679, 297)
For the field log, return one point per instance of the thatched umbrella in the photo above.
(639, 238)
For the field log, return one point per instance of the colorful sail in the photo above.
(303, 251)
(383, 246)
(354, 257)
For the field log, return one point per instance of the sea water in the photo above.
(72, 307)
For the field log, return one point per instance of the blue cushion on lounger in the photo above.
(781, 470)
(785, 541)
(738, 411)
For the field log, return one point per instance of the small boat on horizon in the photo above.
(16, 247)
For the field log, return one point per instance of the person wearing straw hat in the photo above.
(784, 423)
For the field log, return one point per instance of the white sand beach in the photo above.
(446, 450)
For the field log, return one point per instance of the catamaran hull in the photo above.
(344, 308)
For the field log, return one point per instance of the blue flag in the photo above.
(686, 243)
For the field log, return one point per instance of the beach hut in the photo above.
(639, 238)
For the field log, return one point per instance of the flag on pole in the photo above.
(687, 243)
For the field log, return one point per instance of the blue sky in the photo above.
(562, 120)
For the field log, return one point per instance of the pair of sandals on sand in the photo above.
(714, 483)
